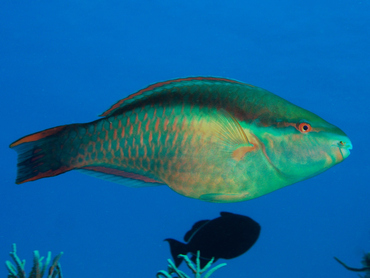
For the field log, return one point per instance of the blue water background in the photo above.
(67, 61)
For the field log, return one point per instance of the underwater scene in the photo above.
(185, 139)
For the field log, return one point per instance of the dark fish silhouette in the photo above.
(225, 237)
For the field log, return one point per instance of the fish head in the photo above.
(301, 145)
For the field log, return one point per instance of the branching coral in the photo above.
(38, 269)
(365, 262)
(197, 270)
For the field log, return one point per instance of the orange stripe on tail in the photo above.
(38, 135)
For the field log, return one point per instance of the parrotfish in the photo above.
(213, 139)
(226, 237)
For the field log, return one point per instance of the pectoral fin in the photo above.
(241, 151)
(231, 136)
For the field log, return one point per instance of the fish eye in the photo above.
(304, 127)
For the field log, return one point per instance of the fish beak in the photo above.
(344, 147)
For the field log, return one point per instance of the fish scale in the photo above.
(209, 138)
(133, 149)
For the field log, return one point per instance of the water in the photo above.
(68, 61)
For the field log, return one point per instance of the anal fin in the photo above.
(118, 176)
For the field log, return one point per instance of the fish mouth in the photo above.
(345, 152)
(345, 147)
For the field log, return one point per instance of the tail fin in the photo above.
(177, 248)
(38, 155)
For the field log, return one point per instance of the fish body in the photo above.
(226, 237)
(213, 139)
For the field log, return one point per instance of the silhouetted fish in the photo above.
(225, 237)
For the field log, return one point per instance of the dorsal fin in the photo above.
(194, 229)
(163, 85)
(228, 214)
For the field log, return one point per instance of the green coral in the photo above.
(38, 269)
(197, 271)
